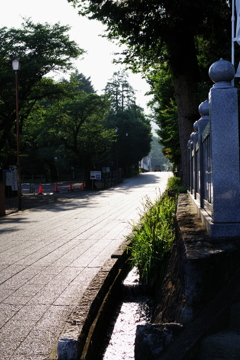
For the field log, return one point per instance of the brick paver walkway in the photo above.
(49, 255)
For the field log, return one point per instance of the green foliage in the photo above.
(132, 127)
(81, 127)
(175, 185)
(165, 114)
(71, 128)
(133, 136)
(77, 129)
(186, 35)
(79, 81)
(152, 238)
(148, 28)
(41, 49)
(120, 92)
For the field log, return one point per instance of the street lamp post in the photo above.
(126, 154)
(16, 67)
(116, 131)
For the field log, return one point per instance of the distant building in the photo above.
(145, 163)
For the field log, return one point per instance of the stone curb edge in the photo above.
(82, 328)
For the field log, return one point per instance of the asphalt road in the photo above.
(50, 254)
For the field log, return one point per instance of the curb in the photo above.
(85, 327)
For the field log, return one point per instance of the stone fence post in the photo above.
(200, 125)
(215, 160)
(223, 110)
(194, 141)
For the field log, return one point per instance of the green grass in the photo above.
(152, 239)
(175, 184)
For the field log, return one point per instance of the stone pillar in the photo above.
(200, 125)
(194, 140)
(190, 170)
(223, 111)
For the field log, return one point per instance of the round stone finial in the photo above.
(192, 136)
(203, 108)
(221, 71)
(195, 126)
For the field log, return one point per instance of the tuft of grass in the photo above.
(175, 184)
(152, 239)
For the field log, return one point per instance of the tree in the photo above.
(41, 49)
(41, 148)
(120, 92)
(81, 127)
(81, 82)
(156, 31)
(133, 137)
(164, 110)
(71, 128)
(133, 129)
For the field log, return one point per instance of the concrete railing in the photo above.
(200, 159)
(213, 150)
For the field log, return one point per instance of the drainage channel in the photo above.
(132, 310)
(103, 325)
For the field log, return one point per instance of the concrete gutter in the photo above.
(86, 326)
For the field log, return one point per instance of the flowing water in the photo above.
(134, 309)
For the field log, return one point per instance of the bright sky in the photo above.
(97, 62)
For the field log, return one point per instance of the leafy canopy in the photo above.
(120, 92)
(71, 128)
(41, 49)
(187, 35)
(132, 127)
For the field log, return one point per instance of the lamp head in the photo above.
(16, 65)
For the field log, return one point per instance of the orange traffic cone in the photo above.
(40, 190)
(55, 187)
(70, 187)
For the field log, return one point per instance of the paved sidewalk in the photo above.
(49, 255)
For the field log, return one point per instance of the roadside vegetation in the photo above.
(172, 44)
(66, 129)
(152, 239)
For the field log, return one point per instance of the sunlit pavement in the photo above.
(49, 255)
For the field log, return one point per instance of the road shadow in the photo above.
(58, 202)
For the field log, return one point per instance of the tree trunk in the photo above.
(184, 66)
(187, 114)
